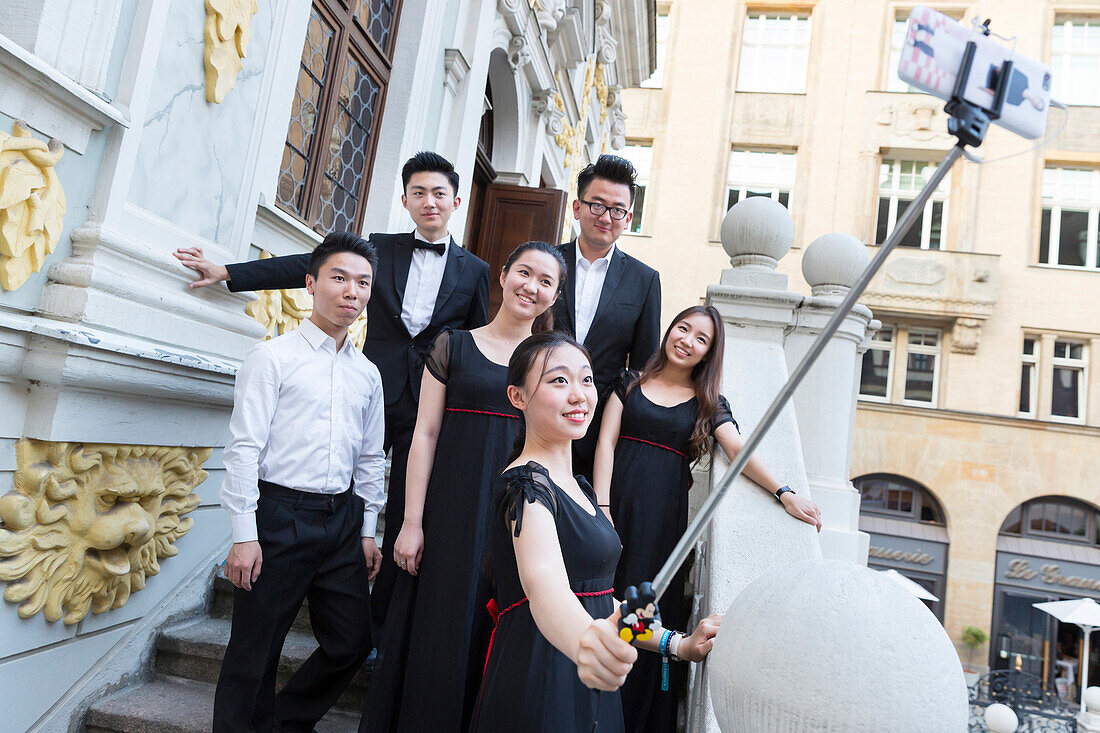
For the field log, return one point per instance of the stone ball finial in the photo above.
(833, 262)
(1000, 718)
(757, 232)
(1092, 698)
(789, 657)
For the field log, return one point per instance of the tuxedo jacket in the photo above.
(627, 326)
(462, 303)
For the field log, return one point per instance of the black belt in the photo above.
(303, 499)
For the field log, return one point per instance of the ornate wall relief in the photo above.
(282, 311)
(32, 204)
(87, 524)
(226, 35)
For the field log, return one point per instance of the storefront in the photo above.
(1046, 551)
(907, 530)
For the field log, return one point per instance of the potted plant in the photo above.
(974, 638)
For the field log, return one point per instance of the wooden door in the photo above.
(511, 215)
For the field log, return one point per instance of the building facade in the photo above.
(978, 420)
(129, 129)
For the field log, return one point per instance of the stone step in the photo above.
(195, 651)
(174, 705)
(223, 605)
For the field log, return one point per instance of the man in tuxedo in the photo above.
(424, 282)
(611, 301)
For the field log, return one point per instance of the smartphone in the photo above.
(932, 54)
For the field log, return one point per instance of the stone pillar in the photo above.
(751, 534)
(825, 402)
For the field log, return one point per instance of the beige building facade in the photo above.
(977, 443)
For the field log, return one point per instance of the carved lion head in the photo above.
(86, 524)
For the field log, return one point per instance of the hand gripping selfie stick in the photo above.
(968, 124)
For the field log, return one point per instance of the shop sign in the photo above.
(1048, 574)
(906, 553)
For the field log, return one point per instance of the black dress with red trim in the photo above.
(529, 685)
(437, 630)
(649, 503)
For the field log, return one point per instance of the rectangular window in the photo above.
(1075, 60)
(1029, 377)
(921, 367)
(641, 157)
(759, 173)
(1071, 209)
(899, 183)
(775, 50)
(336, 112)
(874, 381)
(1067, 397)
(656, 80)
(897, 41)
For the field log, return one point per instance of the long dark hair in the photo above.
(524, 360)
(706, 376)
(545, 320)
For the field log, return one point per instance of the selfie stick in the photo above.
(968, 123)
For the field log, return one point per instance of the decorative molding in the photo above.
(549, 13)
(282, 311)
(966, 335)
(543, 105)
(86, 524)
(226, 35)
(32, 204)
(519, 55)
(455, 68)
(606, 44)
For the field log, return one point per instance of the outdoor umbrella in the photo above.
(913, 587)
(1084, 612)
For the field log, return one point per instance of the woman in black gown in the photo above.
(655, 425)
(556, 646)
(437, 631)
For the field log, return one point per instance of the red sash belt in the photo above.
(482, 412)
(491, 606)
(655, 445)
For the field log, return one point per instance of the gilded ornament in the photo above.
(32, 204)
(601, 91)
(87, 524)
(226, 35)
(282, 311)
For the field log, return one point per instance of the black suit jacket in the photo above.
(627, 326)
(462, 303)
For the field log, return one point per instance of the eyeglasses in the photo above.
(597, 209)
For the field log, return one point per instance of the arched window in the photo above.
(1054, 518)
(888, 495)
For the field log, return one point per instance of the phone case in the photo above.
(933, 51)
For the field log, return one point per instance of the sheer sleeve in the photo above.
(722, 415)
(438, 358)
(524, 486)
(622, 383)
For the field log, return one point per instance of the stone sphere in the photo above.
(833, 262)
(825, 646)
(1092, 698)
(757, 232)
(1000, 718)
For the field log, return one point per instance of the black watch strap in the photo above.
(783, 490)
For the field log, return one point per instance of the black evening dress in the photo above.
(437, 630)
(649, 503)
(529, 685)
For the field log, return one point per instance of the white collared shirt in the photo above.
(590, 277)
(422, 287)
(306, 417)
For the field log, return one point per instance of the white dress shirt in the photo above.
(590, 277)
(306, 417)
(422, 287)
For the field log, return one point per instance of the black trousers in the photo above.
(400, 421)
(311, 549)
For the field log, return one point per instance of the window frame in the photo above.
(744, 187)
(942, 195)
(1061, 61)
(890, 349)
(1066, 362)
(1024, 514)
(656, 80)
(351, 41)
(1032, 361)
(920, 497)
(935, 351)
(643, 182)
(1055, 202)
(742, 84)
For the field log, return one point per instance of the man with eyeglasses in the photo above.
(611, 301)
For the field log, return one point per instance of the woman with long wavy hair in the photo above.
(656, 424)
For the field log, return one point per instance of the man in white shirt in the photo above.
(307, 423)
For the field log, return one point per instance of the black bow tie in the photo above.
(438, 247)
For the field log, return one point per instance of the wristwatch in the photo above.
(783, 490)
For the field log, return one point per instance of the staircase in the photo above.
(180, 696)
